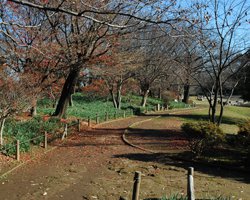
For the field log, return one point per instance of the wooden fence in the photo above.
(137, 182)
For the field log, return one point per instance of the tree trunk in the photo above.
(119, 95)
(159, 93)
(113, 98)
(144, 98)
(33, 110)
(71, 97)
(186, 93)
(71, 100)
(214, 106)
(66, 93)
(2, 122)
(221, 114)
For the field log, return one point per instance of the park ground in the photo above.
(97, 164)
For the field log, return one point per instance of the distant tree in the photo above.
(223, 41)
(15, 97)
(245, 77)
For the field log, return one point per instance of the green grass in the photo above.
(85, 106)
(27, 132)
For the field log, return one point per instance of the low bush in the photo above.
(202, 136)
(244, 139)
(27, 132)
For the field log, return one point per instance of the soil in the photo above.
(97, 164)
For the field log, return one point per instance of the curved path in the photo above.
(96, 164)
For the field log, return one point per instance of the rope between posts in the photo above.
(13, 144)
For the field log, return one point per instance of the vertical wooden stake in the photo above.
(89, 122)
(190, 185)
(45, 145)
(18, 150)
(136, 188)
(158, 107)
(167, 107)
(66, 130)
(124, 114)
(1, 131)
(65, 133)
(96, 120)
(106, 116)
(79, 124)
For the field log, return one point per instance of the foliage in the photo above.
(27, 132)
(202, 136)
(96, 89)
(180, 197)
(174, 104)
(175, 197)
(244, 129)
(244, 139)
(85, 106)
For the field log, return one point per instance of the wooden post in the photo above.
(167, 107)
(155, 108)
(158, 107)
(115, 115)
(1, 131)
(45, 144)
(79, 124)
(65, 133)
(106, 116)
(96, 119)
(18, 150)
(190, 185)
(124, 114)
(89, 122)
(162, 108)
(136, 188)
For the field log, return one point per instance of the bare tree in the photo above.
(223, 39)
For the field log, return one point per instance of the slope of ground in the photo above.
(96, 164)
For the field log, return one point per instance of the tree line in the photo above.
(47, 47)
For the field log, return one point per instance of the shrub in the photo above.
(28, 132)
(244, 139)
(202, 136)
(244, 129)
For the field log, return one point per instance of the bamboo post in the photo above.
(136, 188)
(89, 121)
(45, 144)
(190, 185)
(124, 114)
(106, 116)
(18, 150)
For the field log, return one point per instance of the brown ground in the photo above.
(96, 164)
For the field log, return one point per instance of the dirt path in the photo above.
(97, 164)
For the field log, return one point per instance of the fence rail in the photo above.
(14, 147)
